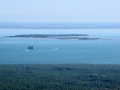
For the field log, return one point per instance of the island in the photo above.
(56, 36)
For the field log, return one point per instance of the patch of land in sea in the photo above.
(60, 77)
(56, 36)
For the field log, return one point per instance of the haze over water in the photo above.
(53, 51)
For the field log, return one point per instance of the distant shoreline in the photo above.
(86, 25)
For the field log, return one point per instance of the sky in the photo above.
(59, 10)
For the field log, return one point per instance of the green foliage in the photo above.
(60, 77)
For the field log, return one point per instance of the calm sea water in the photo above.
(53, 51)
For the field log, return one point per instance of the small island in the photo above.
(56, 36)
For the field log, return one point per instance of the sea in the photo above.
(59, 51)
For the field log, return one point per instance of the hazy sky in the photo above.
(59, 10)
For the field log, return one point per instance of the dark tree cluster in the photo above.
(60, 77)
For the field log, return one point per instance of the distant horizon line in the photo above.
(61, 25)
(60, 22)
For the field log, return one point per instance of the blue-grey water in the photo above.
(53, 51)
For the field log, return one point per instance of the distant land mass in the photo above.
(56, 36)
(60, 25)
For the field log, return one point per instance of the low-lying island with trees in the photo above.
(56, 36)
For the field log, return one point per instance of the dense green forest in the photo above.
(60, 77)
